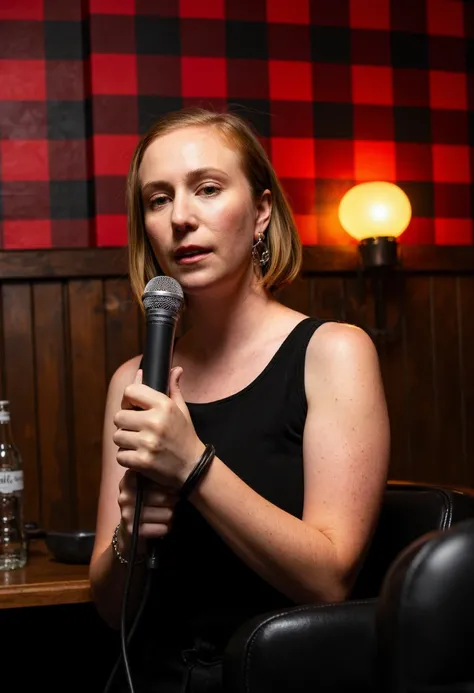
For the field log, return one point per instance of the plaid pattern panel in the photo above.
(340, 92)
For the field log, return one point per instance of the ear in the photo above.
(263, 213)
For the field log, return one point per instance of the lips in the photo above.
(190, 251)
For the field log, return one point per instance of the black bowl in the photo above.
(70, 547)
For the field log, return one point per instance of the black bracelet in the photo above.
(198, 472)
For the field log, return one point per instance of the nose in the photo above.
(183, 216)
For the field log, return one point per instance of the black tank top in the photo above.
(202, 588)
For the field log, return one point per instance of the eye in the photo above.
(209, 190)
(157, 201)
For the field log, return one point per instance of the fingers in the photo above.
(157, 409)
(126, 404)
(157, 511)
(154, 522)
(149, 516)
(156, 516)
(128, 483)
(145, 531)
(153, 494)
(151, 531)
(127, 440)
(141, 396)
(129, 419)
(158, 498)
(175, 391)
(175, 375)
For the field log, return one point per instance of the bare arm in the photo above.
(346, 450)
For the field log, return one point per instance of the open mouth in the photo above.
(190, 254)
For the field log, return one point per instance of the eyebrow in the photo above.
(191, 177)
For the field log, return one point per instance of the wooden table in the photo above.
(44, 581)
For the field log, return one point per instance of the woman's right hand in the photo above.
(156, 514)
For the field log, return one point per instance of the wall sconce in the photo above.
(376, 214)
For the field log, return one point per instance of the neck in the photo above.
(225, 318)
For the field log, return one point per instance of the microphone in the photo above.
(163, 300)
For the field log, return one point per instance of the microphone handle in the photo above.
(158, 353)
(156, 365)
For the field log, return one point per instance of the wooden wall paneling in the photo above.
(53, 402)
(420, 401)
(466, 329)
(20, 386)
(296, 295)
(393, 359)
(327, 298)
(447, 427)
(122, 330)
(87, 335)
(358, 306)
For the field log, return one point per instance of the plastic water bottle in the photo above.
(13, 547)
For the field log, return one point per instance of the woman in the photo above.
(294, 407)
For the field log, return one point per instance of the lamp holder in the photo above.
(381, 251)
(381, 266)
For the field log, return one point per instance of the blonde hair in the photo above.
(281, 236)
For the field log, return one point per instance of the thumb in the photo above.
(174, 389)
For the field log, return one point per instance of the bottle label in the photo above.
(11, 481)
(4, 417)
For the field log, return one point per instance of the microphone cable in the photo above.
(152, 563)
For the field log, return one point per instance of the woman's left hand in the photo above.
(158, 439)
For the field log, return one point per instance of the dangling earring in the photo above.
(260, 252)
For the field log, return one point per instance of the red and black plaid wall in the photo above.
(340, 91)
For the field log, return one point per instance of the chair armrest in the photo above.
(424, 615)
(329, 647)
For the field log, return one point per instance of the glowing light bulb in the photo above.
(371, 210)
(379, 212)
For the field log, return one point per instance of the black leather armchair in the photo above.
(332, 647)
(425, 616)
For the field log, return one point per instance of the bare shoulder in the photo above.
(337, 344)
(342, 360)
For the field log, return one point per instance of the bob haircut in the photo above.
(281, 236)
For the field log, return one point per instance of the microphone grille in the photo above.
(163, 293)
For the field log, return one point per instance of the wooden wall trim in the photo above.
(63, 263)
(112, 262)
(421, 259)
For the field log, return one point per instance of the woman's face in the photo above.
(200, 216)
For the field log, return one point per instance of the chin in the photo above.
(207, 276)
(195, 285)
(205, 282)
